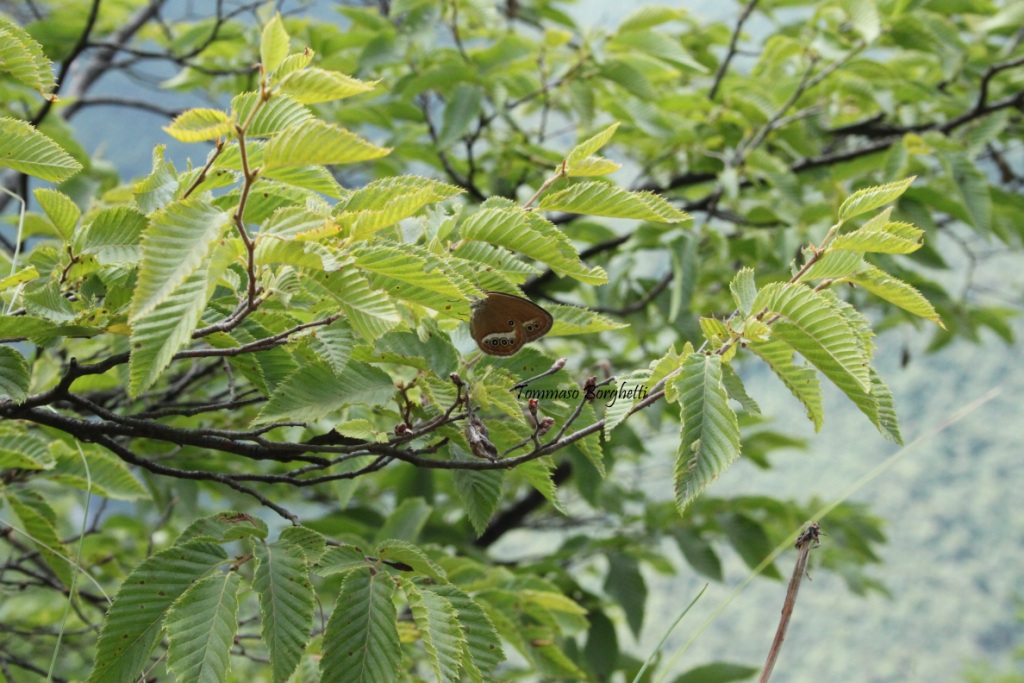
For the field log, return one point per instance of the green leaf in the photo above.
(310, 543)
(28, 151)
(107, 475)
(634, 382)
(160, 187)
(439, 629)
(361, 641)
(750, 540)
(318, 142)
(314, 390)
(196, 125)
(604, 199)
(201, 626)
(176, 244)
(589, 146)
(61, 211)
(649, 16)
(340, 560)
(571, 320)
(395, 550)
(39, 521)
(870, 198)
(133, 624)
(801, 380)
(385, 202)
(406, 522)
(23, 57)
(710, 431)
(277, 114)
(743, 290)
(811, 325)
(286, 604)
(864, 18)
(717, 672)
(463, 108)
(223, 527)
(403, 274)
(834, 264)
(114, 235)
(23, 451)
(19, 277)
(317, 85)
(14, 376)
(626, 586)
(699, 553)
(970, 185)
(737, 392)
(482, 648)
(896, 292)
(162, 331)
(273, 44)
(890, 238)
(511, 227)
(880, 408)
(479, 491)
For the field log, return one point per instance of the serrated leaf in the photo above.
(462, 109)
(318, 142)
(315, 390)
(482, 648)
(176, 243)
(277, 114)
(23, 57)
(39, 521)
(403, 274)
(385, 202)
(870, 198)
(28, 151)
(896, 292)
(361, 642)
(107, 475)
(14, 377)
(588, 147)
(369, 311)
(879, 407)
(201, 626)
(440, 631)
(23, 451)
(710, 431)
(649, 16)
(273, 44)
(571, 320)
(743, 290)
(310, 543)
(479, 491)
(605, 199)
(114, 235)
(134, 621)
(893, 239)
(539, 474)
(158, 188)
(223, 527)
(801, 380)
(513, 228)
(313, 85)
(592, 166)
(397, 550)
(636, 381)
(737, 392)
(196, 125)
(834, 264)
(19, 277)
(59, 208)
(339, 560)
(811, 325)
(162, 331)
(286, 604)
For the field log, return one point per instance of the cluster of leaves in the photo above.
(257, 289)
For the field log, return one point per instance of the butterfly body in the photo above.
(502, 323)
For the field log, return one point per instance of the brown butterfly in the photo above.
(502, 323)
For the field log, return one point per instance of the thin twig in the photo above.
(807, 540)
